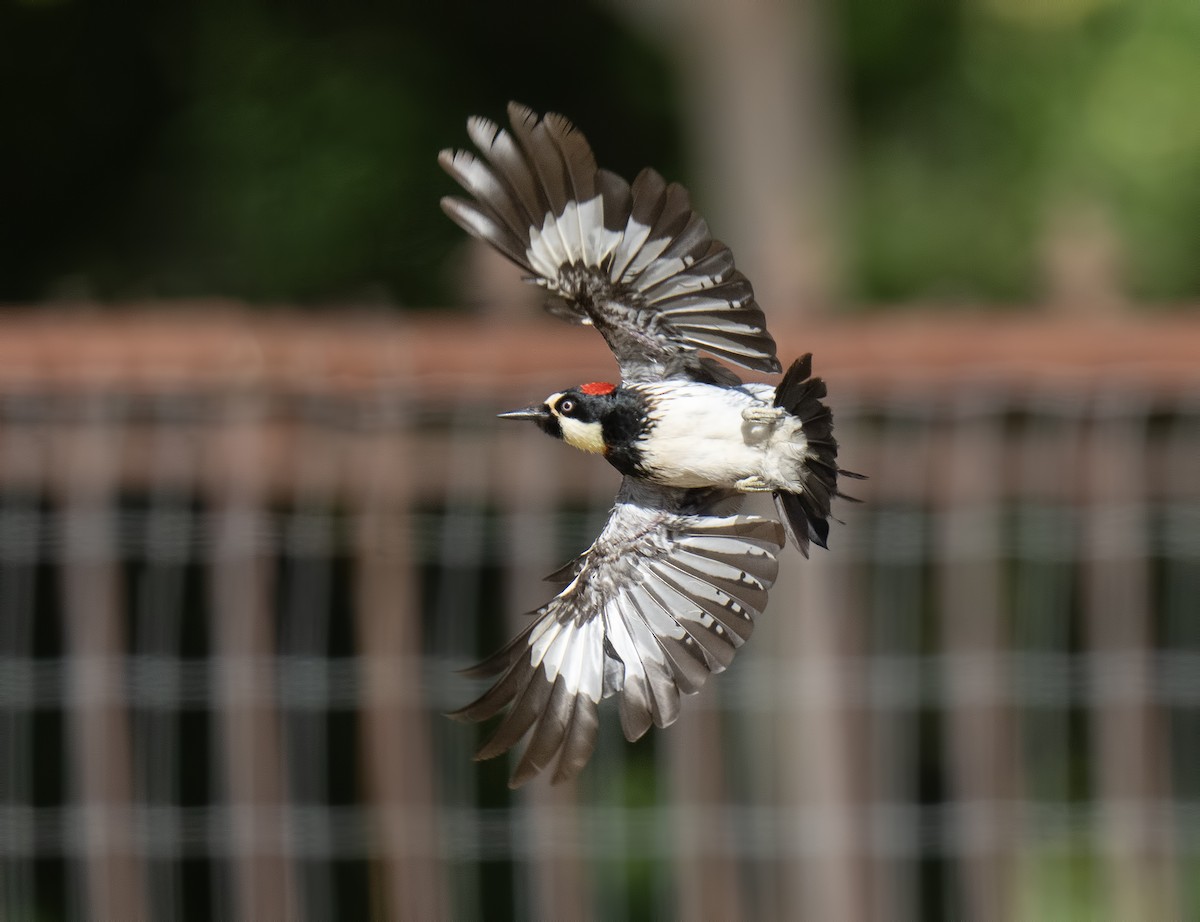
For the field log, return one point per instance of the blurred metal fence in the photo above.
(241, 559)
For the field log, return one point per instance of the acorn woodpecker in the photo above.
(670, 589)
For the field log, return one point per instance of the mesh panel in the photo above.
(230, 619)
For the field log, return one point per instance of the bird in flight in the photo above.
(670, 589)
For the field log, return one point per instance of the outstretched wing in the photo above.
(635, 261)
(664, 597)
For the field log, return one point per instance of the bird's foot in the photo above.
(754, 484)
(763, 414)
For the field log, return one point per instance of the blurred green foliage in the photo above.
(285, 151)
(281, 151)
(976, 124)
(1062, 881)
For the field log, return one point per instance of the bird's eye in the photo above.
(566, 406)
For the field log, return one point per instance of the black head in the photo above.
(596, 417)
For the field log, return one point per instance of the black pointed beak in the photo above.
(538, 413)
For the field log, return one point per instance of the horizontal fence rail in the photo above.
(243, 555)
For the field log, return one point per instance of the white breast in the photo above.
(698, 437)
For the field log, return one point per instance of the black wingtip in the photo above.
(490, 667)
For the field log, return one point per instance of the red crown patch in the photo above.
(597, 388)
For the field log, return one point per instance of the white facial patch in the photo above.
(587, 437)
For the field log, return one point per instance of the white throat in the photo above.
(587, 437)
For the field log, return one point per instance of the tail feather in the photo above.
(806, 512)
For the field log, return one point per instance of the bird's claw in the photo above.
(753, 484)
(763, 414)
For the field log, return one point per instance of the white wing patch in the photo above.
(577, 237)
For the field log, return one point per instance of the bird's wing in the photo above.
(664, 597)
(635, 261)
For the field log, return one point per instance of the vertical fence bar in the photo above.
(1129, 744)
(765, 679)
(22, 536)
(892, 532)
(1047, 461)
(309, 549)
(88, 475)
(244, 647)
(859, 451)
(400, 793)
(167, 546)
(707, 878)
(458, 597)
(971, 475)
(1179, 513)
(820, 743)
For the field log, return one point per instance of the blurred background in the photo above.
(255, 509)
